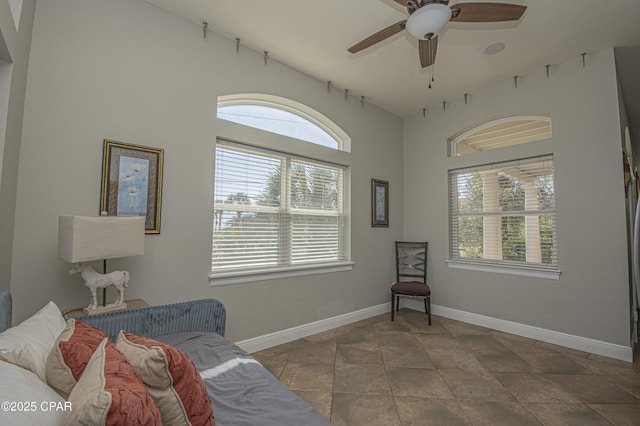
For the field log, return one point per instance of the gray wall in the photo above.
(127, 71)
(14, 61)
(591, 298)
(124, 70)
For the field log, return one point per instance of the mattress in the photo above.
(242, 391)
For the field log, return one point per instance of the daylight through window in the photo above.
(275, 120)
(282, 116)
(274, 210)
(502, 132)
(505, 214)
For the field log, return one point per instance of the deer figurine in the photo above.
(94, 280)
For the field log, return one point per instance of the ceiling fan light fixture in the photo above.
(426, 22)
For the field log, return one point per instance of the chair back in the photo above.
(411, 261)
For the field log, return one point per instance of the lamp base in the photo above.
(109, 307)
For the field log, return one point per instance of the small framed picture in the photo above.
(379, 203)
(132, 182)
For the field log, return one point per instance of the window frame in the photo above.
(454, 140)
(503, 155)
(261, 139)
(271, 101)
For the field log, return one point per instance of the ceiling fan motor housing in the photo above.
(427, 22)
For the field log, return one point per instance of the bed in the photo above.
(242, 391)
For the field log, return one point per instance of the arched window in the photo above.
(502, 215)
(284, 117)
(281, 205)
(500, 133)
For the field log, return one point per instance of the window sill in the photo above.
(237, 277)
(524, 271)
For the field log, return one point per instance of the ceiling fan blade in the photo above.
(378, 37)
(402, 3)
(486, 12)
(427, 50)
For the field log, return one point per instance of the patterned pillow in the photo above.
(171, 378)
(110, 393)
(70, 355)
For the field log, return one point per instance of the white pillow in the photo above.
(19, 386)
(27, 345)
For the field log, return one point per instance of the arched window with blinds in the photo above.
(503, 215)
(274, 211)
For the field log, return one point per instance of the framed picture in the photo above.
(132, 182)
(379, 203)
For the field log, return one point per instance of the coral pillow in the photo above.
(111, 393)
(171, 378)
(70, 355)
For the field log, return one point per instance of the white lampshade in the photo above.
(426, 22)
(86, 238)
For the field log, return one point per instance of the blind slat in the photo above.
(272, 210)
(504, 212)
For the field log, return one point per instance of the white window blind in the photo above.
(505, 214)
(273, 210)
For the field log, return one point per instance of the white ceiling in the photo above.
(313, 37)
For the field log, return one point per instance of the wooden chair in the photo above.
(411, 275)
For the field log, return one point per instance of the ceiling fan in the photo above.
(427, 18)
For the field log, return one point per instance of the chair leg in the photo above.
(397, 303)
(392, 299)
(427, 307)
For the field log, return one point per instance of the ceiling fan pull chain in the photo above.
(547, 67)
(205, 24)
(584, 62)
(515, 81)
(362, 101)
(329, 86)
(424, 112)
(444, 105)
(266, 56)
(346, 94)
(237, 44)
(466, 98)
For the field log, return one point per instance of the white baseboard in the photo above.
(610, 350)
(266, 341)
(598, 347)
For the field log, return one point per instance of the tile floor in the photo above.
(375, 372)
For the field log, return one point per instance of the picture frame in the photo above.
(379, 203)
(132, 182)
